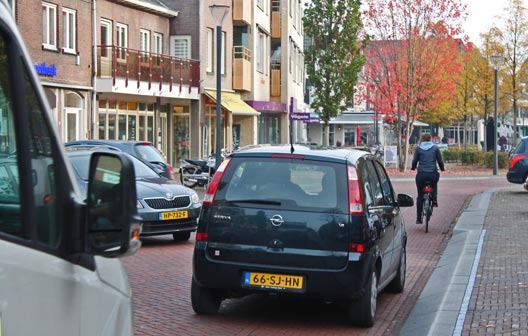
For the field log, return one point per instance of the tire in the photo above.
(184, 172)
(205, 301)
(181, 236)
(363, 311)
(398, 283)
(427, 213)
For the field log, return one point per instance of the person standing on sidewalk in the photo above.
(426, 157)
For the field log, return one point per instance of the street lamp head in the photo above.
(496, 60)
(219, 13)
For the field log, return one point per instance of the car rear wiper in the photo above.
(257, 201)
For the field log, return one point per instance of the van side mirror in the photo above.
(112, 228)
(405, 200)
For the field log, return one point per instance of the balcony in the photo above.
(275, 84)
(133, 71)
(242, 74)
(275, 19)
(242, 12)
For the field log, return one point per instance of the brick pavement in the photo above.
(499, 300)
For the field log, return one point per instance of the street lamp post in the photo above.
(219, 13)
(496, 61)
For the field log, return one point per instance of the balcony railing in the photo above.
(242, 75)
(242, 11)
(136, 67)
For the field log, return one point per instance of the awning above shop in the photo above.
(235, 105)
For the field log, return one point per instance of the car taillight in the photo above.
(202, 236)
(171, 172)
(359, 248)
(213, 186)
(355, 197)
(516, 158)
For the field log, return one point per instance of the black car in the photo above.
(142, 150)
(296, 221)
(163, 205)
(518, 167)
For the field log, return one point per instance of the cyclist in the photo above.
(426, 157)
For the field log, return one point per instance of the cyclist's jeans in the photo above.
(421, 178)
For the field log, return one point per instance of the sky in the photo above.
(482, 14)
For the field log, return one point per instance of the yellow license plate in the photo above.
(275, 281)
(173, 215)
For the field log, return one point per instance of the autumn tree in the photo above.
(418, 65)
(334, 58)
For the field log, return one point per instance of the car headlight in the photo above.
(139, 205)
(195, 198)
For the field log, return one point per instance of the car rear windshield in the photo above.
(521, 147)
(286, 183)
(149, 153)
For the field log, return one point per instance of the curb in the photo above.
(443, 302)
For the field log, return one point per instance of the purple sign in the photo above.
(300, 116)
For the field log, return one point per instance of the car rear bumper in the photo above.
(346, 283)
(515, 176)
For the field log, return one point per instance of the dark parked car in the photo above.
(142, 150)
(313, 223)
(163, 205)
(518, 167)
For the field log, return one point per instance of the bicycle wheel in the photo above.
(427, 211)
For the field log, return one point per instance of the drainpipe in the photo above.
(94, 69)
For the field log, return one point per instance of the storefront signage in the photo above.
(46, 70)
(300, 116)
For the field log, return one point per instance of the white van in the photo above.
(59, 274)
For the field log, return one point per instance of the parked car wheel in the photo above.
(398, 283)
(184, 177)
(205, 301)
(181, 236)
(362, 312)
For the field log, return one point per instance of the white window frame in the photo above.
(109, 32)
(49, 34)
(261, 52)
(69, 30)
(177, 38)
(157, 47)
(121, 39)
(210, 51)
(144, 40)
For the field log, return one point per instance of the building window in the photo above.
(144, 40)
(69, 26)
(122, 39)
(49, 26)
(105, 38)
(181, 46)
(261, 51)
(158, 43)
(210, 57)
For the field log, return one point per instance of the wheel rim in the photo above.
(373, 294)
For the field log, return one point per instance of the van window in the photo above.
(42, 168)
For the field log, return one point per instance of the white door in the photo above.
(72, 125)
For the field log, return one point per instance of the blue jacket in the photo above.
(426, 156)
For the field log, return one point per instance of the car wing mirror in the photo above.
(112, 226)
(405, 200)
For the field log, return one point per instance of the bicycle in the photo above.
(427, 204)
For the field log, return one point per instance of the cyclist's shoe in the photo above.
(435, 204)
(418, 221)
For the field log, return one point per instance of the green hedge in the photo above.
(474, 157)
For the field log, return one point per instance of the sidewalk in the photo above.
(480, 285)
